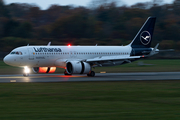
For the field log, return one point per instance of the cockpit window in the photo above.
(16, 52)
(13, 52)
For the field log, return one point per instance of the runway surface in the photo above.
(98, 77)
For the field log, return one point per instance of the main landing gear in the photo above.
(65, 73)
(91, 74)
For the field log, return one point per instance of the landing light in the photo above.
(26, 70)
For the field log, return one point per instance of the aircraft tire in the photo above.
(91, 74)
(25, 74)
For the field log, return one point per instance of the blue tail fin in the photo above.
(144, 36)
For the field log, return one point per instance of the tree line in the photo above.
(104, 24)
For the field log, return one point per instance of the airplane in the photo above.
(81, 59)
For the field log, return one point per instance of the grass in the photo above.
(91, 101)
(142, 100)
(162, 65)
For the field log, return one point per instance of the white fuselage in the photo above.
(57, 56)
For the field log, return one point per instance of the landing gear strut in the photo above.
(91, 74)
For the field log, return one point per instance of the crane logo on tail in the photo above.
(145, 37)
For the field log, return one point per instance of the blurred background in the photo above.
(102, 22)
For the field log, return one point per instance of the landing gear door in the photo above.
(31, 54)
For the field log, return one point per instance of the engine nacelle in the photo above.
(44, 69)
(76, 67)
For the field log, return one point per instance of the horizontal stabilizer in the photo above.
(168, 50)
(153, 52)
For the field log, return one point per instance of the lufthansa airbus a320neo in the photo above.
(81, 59)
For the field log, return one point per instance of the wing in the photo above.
(113, 58)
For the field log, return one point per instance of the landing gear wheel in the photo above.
(25, 74)
(91, 74)
(65, 73)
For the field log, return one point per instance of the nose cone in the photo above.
(7, 60)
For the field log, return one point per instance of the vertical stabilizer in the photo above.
(144, 36)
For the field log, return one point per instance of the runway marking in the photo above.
(103, 72)
(10, 77)
(12, 80)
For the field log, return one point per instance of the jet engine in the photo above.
(76, 67)
(44, 69)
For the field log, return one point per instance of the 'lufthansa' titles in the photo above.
(44, 49)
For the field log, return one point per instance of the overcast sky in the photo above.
(44, 4)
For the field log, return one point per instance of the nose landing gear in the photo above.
(25, 74)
